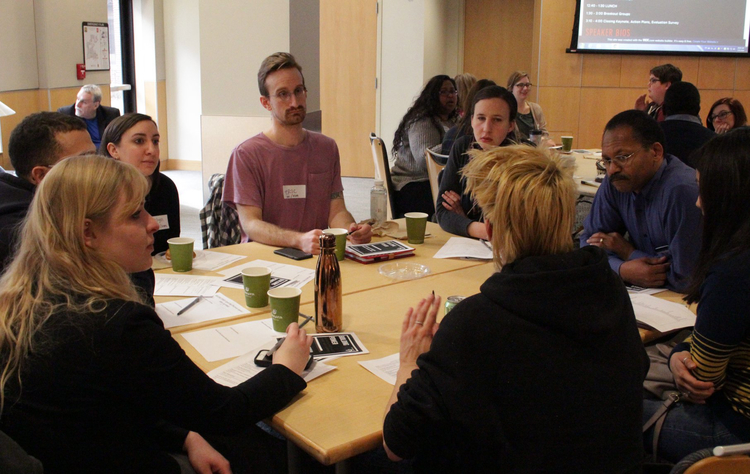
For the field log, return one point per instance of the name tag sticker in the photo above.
(162, 221)
(298, 191)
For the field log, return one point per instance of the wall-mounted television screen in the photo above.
(691, 27)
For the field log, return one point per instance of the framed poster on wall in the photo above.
(96, 46)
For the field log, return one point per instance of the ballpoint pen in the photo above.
(281, 341)
(484, 242)
(190, 305)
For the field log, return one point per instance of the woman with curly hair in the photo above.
(423, 126)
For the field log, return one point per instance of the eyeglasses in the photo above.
(524, 85)
(448, 92)
(651, 80)
(621, 160)
(721, 115)
(286, 96)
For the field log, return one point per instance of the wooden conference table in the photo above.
(339, 414)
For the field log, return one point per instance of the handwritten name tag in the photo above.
(163, 221)
(298, 191)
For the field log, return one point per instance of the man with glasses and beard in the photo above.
(285, 182)
(651, 197)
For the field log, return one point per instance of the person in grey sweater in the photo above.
(423, 126)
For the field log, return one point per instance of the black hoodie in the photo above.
(540, 372)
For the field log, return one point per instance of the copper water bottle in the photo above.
(328, 309)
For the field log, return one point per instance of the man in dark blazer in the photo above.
(683, 130)
(88, 108)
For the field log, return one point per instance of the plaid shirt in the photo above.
(220, 224)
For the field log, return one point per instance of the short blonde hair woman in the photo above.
(513, 379)
(90, 381)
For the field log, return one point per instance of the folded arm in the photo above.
(251, 218)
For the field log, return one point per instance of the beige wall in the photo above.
(41, 44)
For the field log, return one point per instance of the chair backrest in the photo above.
(435, 163)
(383, 170)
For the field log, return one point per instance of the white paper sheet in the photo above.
(242, 368)
(204, 260)
(287, 275)
(216, 260)
(637, 290)
(209, 308)
(231, 341)
(385, 368)
(464, 247)
(185, 285)
(660, 314)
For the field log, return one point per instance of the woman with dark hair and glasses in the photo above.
(134, 139)
(726, 114)
(711, 368)
(530, 116)
(423, 126)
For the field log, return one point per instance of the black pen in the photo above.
(281, 341)
(190, 305)
(484, 242)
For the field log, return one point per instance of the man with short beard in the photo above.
(285, 182)
(650, 196)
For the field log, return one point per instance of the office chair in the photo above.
(435, 164)
(383, 171)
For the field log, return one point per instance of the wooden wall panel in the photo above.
(601, 70)
(742, 75)
(558, 68)
(500, 39)
(634, 71)
(24, 103)
(561, 109)
(598, 105)
(348, 60)
(716, 73)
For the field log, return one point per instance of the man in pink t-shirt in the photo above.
(286, 182)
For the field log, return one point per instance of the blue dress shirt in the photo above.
(662, 219)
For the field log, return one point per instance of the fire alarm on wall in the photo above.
(81, 71)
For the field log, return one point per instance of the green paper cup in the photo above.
(416, 223)
(284, 307)
(567, 143)
(181, 253)
(256, 281)
(340, 241)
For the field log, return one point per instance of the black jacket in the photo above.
(682, 138)
(542, 371)
(104, 115)
(15, 198)
(97, 385)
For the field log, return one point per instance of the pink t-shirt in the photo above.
(291, 185)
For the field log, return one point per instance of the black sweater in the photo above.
(540, 372)
(97, 385)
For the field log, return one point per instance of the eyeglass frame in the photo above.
(448, 93)
(524, 85)
(722, 115)
(621, 160)
(286, 96)
(651, 80)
